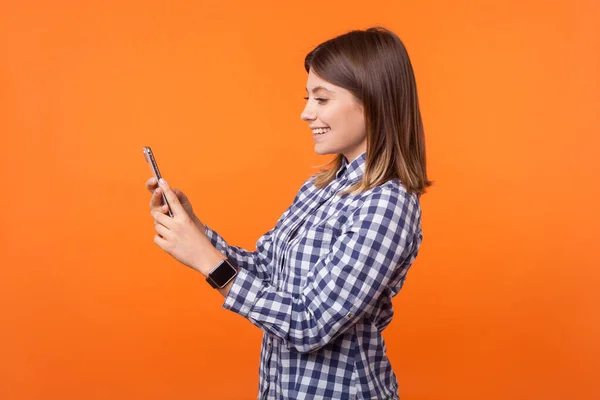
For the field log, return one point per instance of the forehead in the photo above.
(315, 83)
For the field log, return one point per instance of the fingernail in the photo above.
(156, 190)
(162, 182)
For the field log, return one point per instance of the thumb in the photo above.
(182, 197)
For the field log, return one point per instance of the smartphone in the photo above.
(154, 167)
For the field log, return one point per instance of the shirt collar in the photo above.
(352, 170)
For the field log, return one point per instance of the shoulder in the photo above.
(391, 194)
(388, 206)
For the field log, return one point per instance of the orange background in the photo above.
(502, 302)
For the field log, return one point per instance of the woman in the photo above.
(320, 283)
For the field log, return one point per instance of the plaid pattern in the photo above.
(320, 285)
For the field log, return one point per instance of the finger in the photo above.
(162, 219)
(161, 209)
(176, 206)
(151, 184)
(156, 200)
(162, 231)
(160, 242)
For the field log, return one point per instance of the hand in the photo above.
(156, 202)
(181, 238)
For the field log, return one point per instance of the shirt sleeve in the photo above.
(372, 254)
(258, 262)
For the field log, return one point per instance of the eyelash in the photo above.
(319, 99)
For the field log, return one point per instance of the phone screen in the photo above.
(154, 167)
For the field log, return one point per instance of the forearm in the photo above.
(257, 263)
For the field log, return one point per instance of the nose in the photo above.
(308, 114)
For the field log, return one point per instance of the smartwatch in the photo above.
(222, 274)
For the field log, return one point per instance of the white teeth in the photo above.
(320, 131)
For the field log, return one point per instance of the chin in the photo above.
(323, 150)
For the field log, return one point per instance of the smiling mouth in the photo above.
(321, 131)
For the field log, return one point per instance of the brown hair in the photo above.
(374, 66)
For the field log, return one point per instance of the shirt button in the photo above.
(350, 315)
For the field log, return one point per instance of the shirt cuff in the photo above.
(211, 235)
(216, 240)
(243, 293)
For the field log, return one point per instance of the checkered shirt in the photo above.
(320, 286)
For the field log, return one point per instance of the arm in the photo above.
(374, 253)
(256, 262)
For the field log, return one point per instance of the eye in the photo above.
(320, 100)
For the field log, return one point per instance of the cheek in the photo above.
(327, 117)
(346, 118)
(355, 122)
(335, 116)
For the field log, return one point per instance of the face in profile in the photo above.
(335, 117)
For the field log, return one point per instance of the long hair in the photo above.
(374, 66)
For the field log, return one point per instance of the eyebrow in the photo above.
(317, 88)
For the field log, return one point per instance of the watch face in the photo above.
(223, 273)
